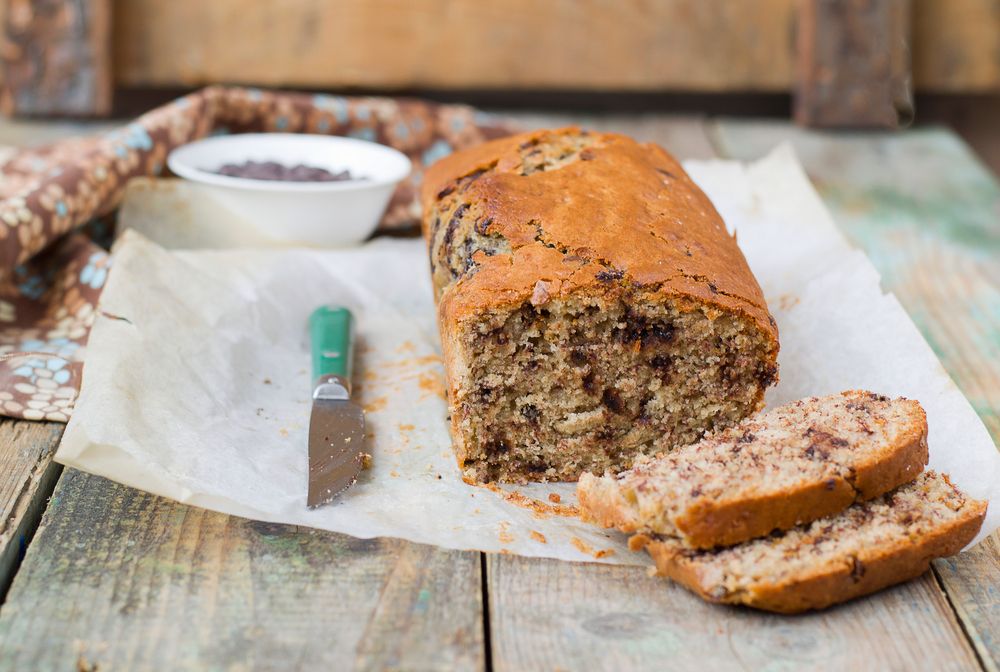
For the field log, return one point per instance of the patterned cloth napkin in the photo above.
(52, 270)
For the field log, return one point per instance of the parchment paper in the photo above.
(196, 385)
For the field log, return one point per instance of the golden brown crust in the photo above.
(875, 568)
(654, 225)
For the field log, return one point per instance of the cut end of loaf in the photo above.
(588, 382)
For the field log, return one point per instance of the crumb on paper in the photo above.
(432, 384)
(413, 362)
(283, 431)
(439, 477)
(554, 497)
(637, 542)
(267, 381)
(539, 509)
(376, 405)
(787, 301)
(394, 473)
(539, 537)
(406, 346)
(504, 535)
(585, 548)
(405, 427)
(366, 460)
(260, 412)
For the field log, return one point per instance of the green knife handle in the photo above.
(331, 331)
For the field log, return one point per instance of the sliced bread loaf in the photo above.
(867, 547)
(787, 466)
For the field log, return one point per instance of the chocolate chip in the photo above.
(661, 363)
(274, 171)
(530, 412)
(610, 275)
(662, 333)
(497, 447)
(589, 383)
(482, 224)
(586, 155)
(712, 288)
(857, 569)
(766, 374)
(577, 358)
(830, 483)
(613, 400)
(447, 190)
(747, 437)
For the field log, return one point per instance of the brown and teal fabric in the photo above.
(56, 204)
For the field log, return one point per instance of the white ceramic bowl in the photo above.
(326, 214)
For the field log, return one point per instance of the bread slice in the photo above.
(869, 546)
(787, 466)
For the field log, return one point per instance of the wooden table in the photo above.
(115, 579)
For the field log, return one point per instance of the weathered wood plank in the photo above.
(956, 45)
(688, 45)
(971, 583)
(547, 615)
(853, 66)
(588, 44)
(118, 579)
(57, 57)
(27, 476)
(928, 214)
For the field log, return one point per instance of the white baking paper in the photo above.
(197, 386)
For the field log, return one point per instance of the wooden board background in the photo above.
(638, 45)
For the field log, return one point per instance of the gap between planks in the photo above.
(27, 477)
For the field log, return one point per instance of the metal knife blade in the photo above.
(336, 448)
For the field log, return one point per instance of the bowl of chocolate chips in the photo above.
(296, 189)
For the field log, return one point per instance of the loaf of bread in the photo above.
(787, 466)
(590, 303)
(869, 546)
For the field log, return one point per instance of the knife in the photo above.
(337, 424)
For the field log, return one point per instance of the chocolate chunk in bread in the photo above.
(591, 304)
(787, 466)
(869, 546)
